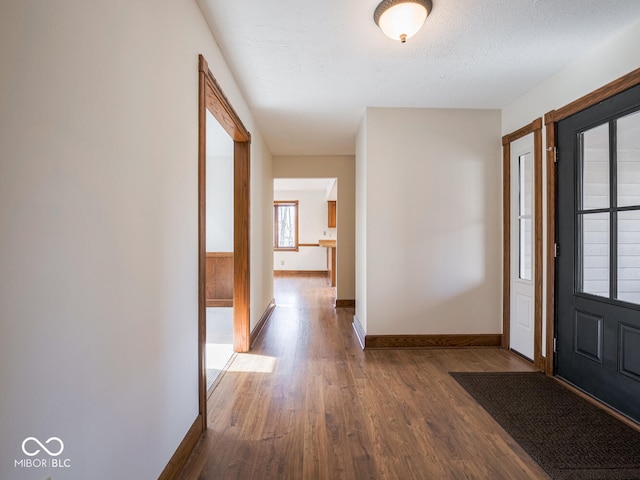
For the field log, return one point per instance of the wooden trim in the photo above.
(522, 132)
(219, 254)
(221, 302)
(360, 333)
(182, 453)
(300, 273)
(551, 119)
(212, 98)
(220, 107)
(550, 131)
(266, 315)
(432, 341)
(535, 128)
(619, 85)
(308, 244)
(241, 247)
(538, 360)
(345, 303)
(202, 245)
(506, 245)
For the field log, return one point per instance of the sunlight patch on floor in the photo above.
(249, 363)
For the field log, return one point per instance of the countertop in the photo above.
(327, 242)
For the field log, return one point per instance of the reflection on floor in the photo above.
(219, 349)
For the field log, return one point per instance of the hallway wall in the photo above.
(98, 230)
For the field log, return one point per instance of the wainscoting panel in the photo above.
(219, 279)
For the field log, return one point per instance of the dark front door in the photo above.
(598, 277)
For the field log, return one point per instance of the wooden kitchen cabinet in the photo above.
(332, 207)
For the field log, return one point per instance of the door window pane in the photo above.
(594, 233)
(629, 256)
(525, 165)
(525, 248)
(628, 159)
(525, 209)
(595, 167)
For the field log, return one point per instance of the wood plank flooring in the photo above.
(308, 403)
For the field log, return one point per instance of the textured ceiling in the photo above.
(309, 68)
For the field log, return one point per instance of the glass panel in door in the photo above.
(594, 235)
(525, 209)
(628, 160)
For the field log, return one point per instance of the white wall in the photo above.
(433, 221)
(261, 248)
(219, 236)
(343, 168)
(219, 186)
(312, 226)
(98, 229)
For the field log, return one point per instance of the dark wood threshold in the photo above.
(623, 418)
(262, 322)
(521, 356)
(300, 273)
(345, 303)
(432, 341)
(184, 450)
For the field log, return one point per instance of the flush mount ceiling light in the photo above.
(401, 19)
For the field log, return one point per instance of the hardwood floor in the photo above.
(308, 403)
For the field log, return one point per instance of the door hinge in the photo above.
(555, 345)
(556, 250)
(555, 153)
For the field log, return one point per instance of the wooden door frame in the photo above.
(212, 98)
(535, 128)
(551, 120)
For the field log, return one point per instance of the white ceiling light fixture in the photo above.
(401, 19)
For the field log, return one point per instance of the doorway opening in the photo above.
(555, 188)
(522, 242)
(598, 231)
(306, 228)
(213, 105)
(219, 250)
